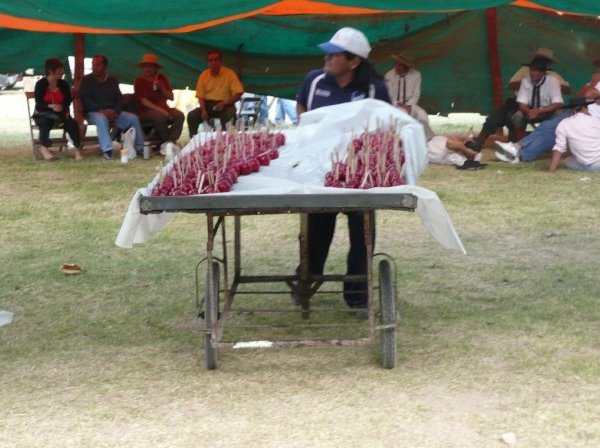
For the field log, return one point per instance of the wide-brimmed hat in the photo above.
(149, 59)
(404, 58)
(543, 53)
(578, 101)
(540, 62)
(347, 39)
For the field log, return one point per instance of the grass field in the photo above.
(504, 339)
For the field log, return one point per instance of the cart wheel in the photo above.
(211, 313)
(387, 299)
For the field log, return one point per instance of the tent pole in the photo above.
(492, 34)
(79, 47)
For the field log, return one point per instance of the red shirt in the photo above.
(55, 97)
(143, 89)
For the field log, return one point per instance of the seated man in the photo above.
(101, 99)
(580, 134)
(404, 87)
(217, 90)
(152, 90)
(542, 139)
(503, 116)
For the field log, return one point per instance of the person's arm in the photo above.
(414, 94)
(300, 109)
(236, 90)
(165, 87)
(556, 155)
(141, 93)
(454, 143)
(66, 90)
(39, 90)
(560, 145)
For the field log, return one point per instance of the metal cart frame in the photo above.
(304, 285)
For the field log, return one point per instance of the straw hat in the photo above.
(543, 53)
(149, 59)
(404, 58)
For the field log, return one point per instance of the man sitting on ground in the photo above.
(102, 104)
(542, 139)
(503, 116)
(217, 90)
(580, 134)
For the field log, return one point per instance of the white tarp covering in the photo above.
(306, 157)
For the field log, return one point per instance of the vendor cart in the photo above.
(217, 302)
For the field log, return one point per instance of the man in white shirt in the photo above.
(404, 87)
(539, 97)
(580, 134)
(503, 115)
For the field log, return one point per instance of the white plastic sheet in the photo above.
(5, 317)
(306, 157)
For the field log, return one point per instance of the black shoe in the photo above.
(471, 165)
(107, 155)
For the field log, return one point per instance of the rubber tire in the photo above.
(211, 313)
(387, 302)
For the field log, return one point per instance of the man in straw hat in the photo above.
(102, 105)
(538, 98)
(404, 86)
(347, 76)
(218, 88)
(503, 115)
(543, 137)
(152, 90)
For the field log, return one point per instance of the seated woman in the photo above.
(152, 90)
(52, 101)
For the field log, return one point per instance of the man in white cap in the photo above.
(404, 86)
(346, 76)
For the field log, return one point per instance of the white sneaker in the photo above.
(505, 158)
(508, 148)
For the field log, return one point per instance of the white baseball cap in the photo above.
(347, 39)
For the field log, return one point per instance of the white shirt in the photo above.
(581, 135)
(524, 72)
(549, 91)
(408, 93)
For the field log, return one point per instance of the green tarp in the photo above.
(273, 53)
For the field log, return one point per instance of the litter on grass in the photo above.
(5, 317)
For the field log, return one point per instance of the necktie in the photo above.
(535, 94)
(401, 89)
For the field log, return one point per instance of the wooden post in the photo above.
(79, 46)
(492, 34)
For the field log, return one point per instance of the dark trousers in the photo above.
(45, 124)
(194, 117)
(321, 227)
(499, 118)
(167, 128)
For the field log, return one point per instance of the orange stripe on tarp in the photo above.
(20, 23)
(531, 5)
(296, 7)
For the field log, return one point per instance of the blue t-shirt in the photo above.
(326, 92)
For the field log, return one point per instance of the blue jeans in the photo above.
(285, 107)
(542, 139)
(124, 121)
(571, 162)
